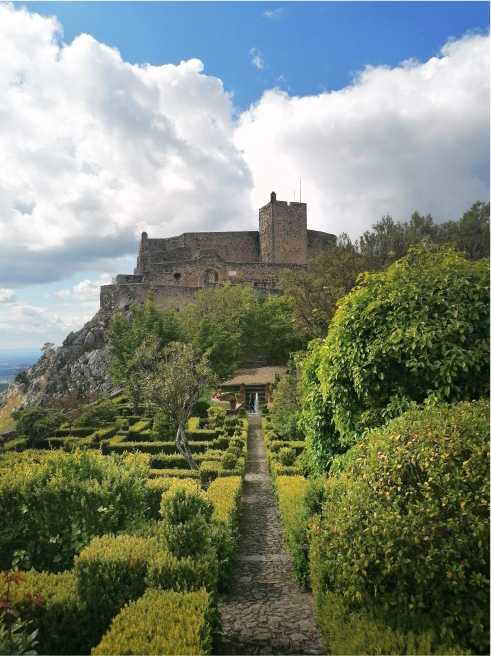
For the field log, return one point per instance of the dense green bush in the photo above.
(418, 330)
(60, 621)
(53, 508)
(98, 414)
(216, 416)
(185, 522)
(362, 632)
(162, 623)
(405, 530)
(110, 571)
(225, 494)
(37, 423)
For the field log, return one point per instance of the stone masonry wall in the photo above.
(177, 267)
(318, 242)
(289, 232)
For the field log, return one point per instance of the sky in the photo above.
(174, 117)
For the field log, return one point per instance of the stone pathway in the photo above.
(266, 611)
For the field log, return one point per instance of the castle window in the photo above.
(177, 276)
(211, 277)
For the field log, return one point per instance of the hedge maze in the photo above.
(114, 533)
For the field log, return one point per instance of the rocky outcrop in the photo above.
(80, 363)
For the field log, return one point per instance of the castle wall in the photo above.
(176, 267)
(318, 242)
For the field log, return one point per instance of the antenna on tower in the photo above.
(300, 189)
(294, 195)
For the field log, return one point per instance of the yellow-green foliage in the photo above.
(405, 529)
(157, 486)
(183, 574)
(111, 571)
(52, 508)
(59, 619)
(290, 493)
(193, 423)
(347, 632)
(173, 473)
(225, 493)
(161, 623)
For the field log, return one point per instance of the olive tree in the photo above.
(179, 377)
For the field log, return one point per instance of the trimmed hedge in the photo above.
(162, 623)
(290, 494)
(60, 621)
(225, 494)
(111, 571)
(157, 486)
(173, 473)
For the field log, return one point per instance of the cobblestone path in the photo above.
(266, 611)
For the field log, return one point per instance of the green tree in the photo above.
(419, 330)
(37, 423)
(22, 379)
(273, 325)
(314, 292)
(177, 381)
(471, 233)
(217, 322)
(126, 335)
(286, 408)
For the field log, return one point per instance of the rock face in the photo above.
(80, 363)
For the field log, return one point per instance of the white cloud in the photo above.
(93, 150)
(412, 137)
(273, 13)
(7, 296)
(257, 59)
(86, 290)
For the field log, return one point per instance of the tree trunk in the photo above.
(183, 447)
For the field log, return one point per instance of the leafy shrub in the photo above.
(287, 456)
(162, 623)
(418, 330)
(229, 461)
(157, 486)
(37, 423)
(59, 620)
(98, 414)
(405, 529)
(200, 409)
(111, 571)
(167, 572)
(164, 429)
(185, 518)
(285, 411)
(208, 472)
(361, 632)
(216, 416)
(53, 508)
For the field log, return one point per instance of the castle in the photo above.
(176, 267)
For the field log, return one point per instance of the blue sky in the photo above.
(307, 47)
(183, 116)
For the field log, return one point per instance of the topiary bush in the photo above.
(216, 416)
(287, 456)
(229, 461)
(405, 529)
(162, 623)
(418, 330)
(185, 522)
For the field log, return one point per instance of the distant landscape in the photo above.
(11, 360)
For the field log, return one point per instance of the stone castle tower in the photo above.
(176, 267)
